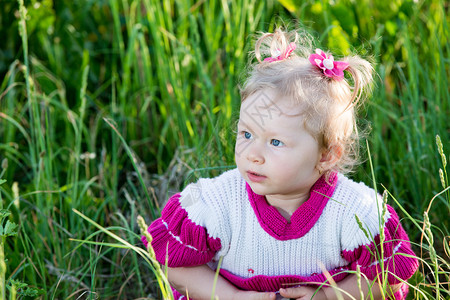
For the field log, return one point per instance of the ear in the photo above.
(330, 157)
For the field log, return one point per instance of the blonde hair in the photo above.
(328, 105)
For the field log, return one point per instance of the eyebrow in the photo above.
(243, 124)
(281, 135)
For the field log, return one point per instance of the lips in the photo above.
(255, 177)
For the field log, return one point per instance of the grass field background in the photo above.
(106, 107)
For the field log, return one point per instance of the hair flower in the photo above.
(277, 55)
(331, 68)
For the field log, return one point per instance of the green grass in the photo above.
(108, 106)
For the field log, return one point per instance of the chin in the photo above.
(257, 190)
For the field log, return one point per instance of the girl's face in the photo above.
(274, 153)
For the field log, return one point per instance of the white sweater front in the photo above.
(260, 250)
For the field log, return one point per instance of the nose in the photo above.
(255, 155)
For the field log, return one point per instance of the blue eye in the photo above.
(276, 143)
(247, 135)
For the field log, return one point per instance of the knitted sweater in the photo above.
(262, 251)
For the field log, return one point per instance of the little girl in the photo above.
(287, 222)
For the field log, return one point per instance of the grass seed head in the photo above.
(441, 176)
(427, 224)
(441, 150)
(143, 227)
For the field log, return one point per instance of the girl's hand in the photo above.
(251, 295)
(303, 293)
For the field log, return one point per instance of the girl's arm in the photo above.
(198, 282)
(349, 284)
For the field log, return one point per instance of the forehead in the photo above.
(270, 108)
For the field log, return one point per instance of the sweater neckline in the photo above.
(302, 220)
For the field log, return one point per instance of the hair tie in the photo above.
(330, 68)
(280, 56)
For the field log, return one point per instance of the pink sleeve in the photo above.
(399, 261)
(179, 240)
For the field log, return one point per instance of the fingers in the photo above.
(265, 296)
(268, 296)
(292, 292)
(256, 296)
(303, 292)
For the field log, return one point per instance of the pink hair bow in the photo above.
(331, 68)
(280, 56)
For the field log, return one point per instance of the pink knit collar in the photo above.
(302, 220)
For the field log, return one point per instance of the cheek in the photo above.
(304, 160)
(240, 145)
(240, 149)
(236, 155)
